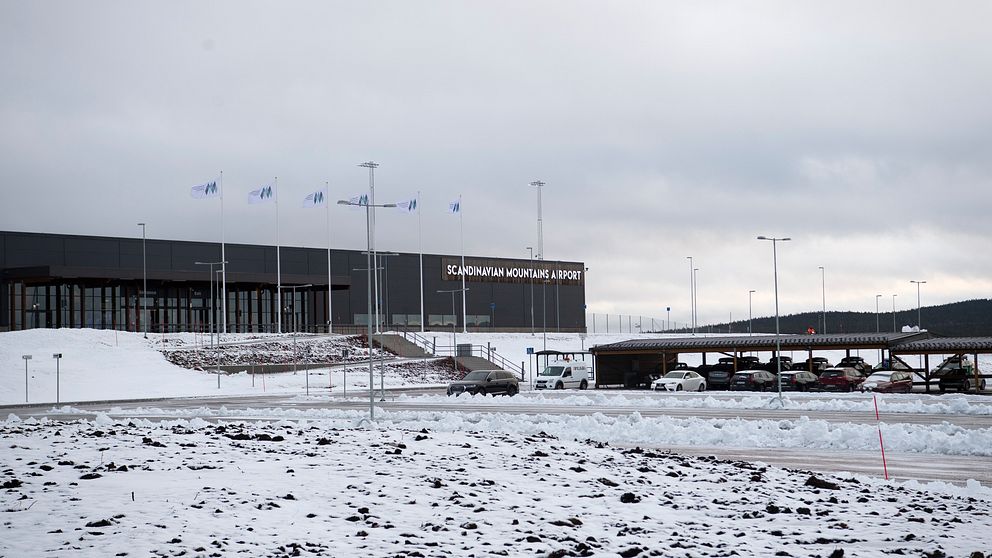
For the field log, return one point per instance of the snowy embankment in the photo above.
(188, 487)
(946, 439)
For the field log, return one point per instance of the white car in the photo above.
(683, 380)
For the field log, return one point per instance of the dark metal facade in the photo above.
(50, 280)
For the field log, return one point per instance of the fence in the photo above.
(626, 323)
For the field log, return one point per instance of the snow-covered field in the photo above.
(297, 488)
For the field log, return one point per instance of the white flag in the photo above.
(455, 206)
(264, 194)
(206, 190)
(409, 205)
(316, 199)
(360, 199)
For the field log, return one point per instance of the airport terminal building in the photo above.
(56, 280)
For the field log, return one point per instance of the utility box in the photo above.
(464, 350)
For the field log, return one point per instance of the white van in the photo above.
(563, 374)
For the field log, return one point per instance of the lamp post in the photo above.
(544, 312)
(531, 249)
(749, 317)
(894, 313)
(454, 325)
(692, 297)
(382, 295)
(877, 326)
(919, 323)
(292, 308)
(212, 304)
(26, 359)
(823, 293)
(58, 358)
(695, 299)
(540, 220)
(778, 341)
(144, 282)
(368, 239)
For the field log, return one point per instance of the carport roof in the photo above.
(945, 345)
(727, 344)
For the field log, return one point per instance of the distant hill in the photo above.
(958, 319)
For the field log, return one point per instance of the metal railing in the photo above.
(482, 351)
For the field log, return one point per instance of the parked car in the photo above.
(890, 364)
(484, 382)
(660, 370)
(843, 379)
(680, 380)
(772, 365)
(816, 364)
(798, 380)
(856, 363)
(889, 381)
(961, 379)
(719, 379)
(562, 374)
(753, 380)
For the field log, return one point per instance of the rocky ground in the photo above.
(119, 487)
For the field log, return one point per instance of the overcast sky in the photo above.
(863, 130)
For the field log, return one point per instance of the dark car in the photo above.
(842, 379)
(856, 363)
(719, 378)
(753, 380)
(889, 381)
(798, 380)
(815, 364)
(482, 382)
(961, 379)
(772, 365)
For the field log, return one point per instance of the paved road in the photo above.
(950, 468)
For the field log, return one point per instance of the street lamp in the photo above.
(382, 295)
(778, 341)
(877, 327)
(454, 325)
(692, 297)
(531, 249)
(919, 324)
(144, 282)
(695, 298)
(894, 313)
(540, 220)
(368, 240)
(544, 312)
(749, 317)
(212, 303)
(823, 291)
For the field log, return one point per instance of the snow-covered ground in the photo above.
(337, 488)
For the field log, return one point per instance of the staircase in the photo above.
(399, 346)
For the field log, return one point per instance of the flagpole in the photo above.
(278, 265)
(327, 204)
(420, 244)
(223, 259)
(461, 234)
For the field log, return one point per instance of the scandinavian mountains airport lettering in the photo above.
(557, 272)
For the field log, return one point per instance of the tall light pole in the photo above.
(919, 323)
(144, 282)
(531, 249)
(454, 325)
(692, 297)
(894, 314)
(544, 311)
(778, 341)
(823, 291)
(749, 317)
(540, 220)
(877, 326)
(372, 165)
(212, 303)
(695, 298)
(368, 240)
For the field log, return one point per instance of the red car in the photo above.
(889, 381)
(843, 379)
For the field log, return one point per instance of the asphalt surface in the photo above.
(950, 468)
